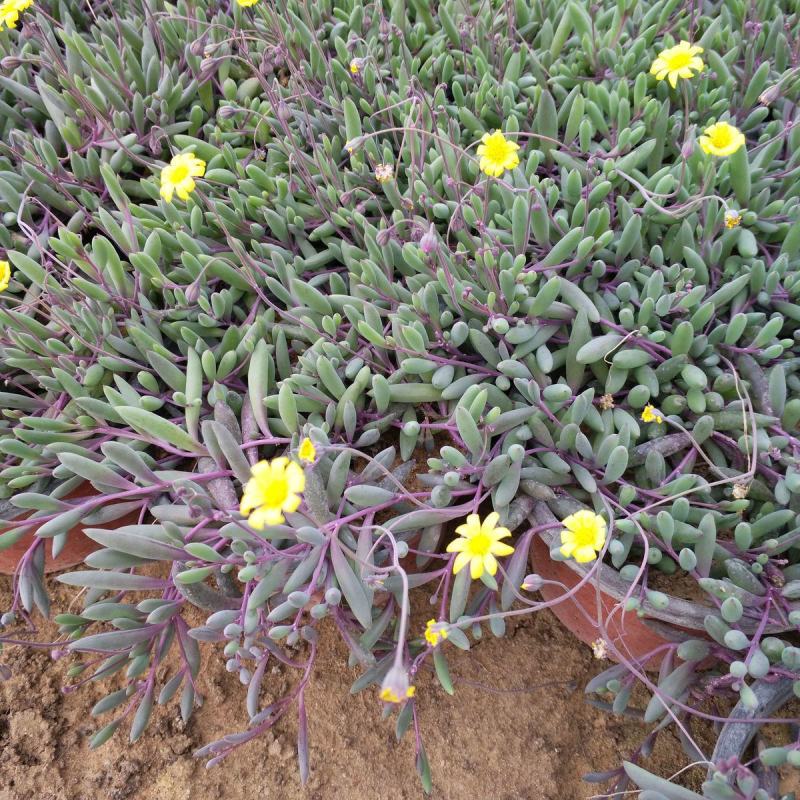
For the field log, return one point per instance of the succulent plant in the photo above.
(482, 262)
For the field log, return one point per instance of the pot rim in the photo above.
(679, 612)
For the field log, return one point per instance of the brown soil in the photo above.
(518, 728)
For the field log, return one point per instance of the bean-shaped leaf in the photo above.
(155, 427)
(352, 588)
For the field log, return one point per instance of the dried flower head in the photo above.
(600, 648)
(497, 154)
(732, 218)
(740, 490)
(384, 173)
(721, 139)
(478, 544)
(681, 61)
(583, 536)
(178, 176)
(274, 487)
(649, 414)
(607, 402)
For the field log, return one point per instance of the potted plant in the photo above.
(345, 336)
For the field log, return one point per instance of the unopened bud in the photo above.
(430, 241)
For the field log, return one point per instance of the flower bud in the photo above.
(532, 582)
(430, 241)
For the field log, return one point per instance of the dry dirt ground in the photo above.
(518, 728)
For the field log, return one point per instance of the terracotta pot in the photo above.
(77, 546)
(631, 634)
(579, 613)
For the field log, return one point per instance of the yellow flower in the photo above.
(307, 451)
(384, 172)
(10, 11)
(178, 177)
(356, 65)
(246, 3)
(395, 687)
(478, 545)
(274, 487)
(435, 631)
(681, 61)
(497, 154)
(5, 275)
(585, 533)
(649, 414)
(732, 218)
(721, 139)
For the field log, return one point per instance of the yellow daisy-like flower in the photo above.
(307, 451)
(435, 632)
(497, 154)
(583, 536)
(732, 218)
(478, 544)
(649, 414)
(274, 487)
(10, 11)
(681, 61)
(178, 176)
(5, 275)
(721, 139)
(246, 3)
(395, 687)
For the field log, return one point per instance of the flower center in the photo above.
(584, 535)
(180, 173)
(479, 544)
(679, 60)
(276, 492)
(496, 150)
(721, 137)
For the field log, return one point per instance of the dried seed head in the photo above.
(740, 490)
(607, 402)
(600, 648)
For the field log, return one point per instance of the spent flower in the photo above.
(649, 414)
(435, 632)
(732, 218)
(384, 173)
(396, 687)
